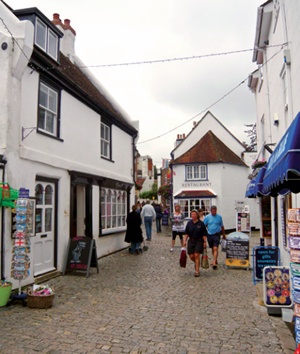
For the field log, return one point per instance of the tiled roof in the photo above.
(195, 194)
(73, 79)
(209, 149)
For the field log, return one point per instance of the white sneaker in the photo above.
(172, 249)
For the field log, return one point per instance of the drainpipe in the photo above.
(2, 166)
(134, 150)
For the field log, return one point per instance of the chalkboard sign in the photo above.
(237, 253)
(264, 256)
(81, 255)
(165, 219)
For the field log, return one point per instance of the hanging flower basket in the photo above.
(258, 163)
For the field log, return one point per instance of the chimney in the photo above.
(67, 43)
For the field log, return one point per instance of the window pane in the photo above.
(38, 220)
(50, 122)
(39, 194)
(52, 44)
(40, 34)
(43, 95)
(41, 118)
(48, 219)
(52, 101)
(48, 195)
(196, 172)
(105, 141)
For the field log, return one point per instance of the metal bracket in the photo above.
(23, 132)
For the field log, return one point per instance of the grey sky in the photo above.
(164, 95)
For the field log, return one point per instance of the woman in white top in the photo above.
(178, 228)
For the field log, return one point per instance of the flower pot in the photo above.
(5, 291)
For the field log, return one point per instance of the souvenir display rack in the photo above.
(293, 232)
(22, 223)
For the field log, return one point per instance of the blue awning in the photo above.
(255, 186)
(283, 169)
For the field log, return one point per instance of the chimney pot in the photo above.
(55, 16)
(67, 22)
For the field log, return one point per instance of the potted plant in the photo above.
(5, 291)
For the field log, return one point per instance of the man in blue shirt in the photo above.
(215, 226)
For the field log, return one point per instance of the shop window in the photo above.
(187, 205)
(113, 209)
(266, 217)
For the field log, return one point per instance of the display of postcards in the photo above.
(297, 309)
(19, 234)
(297, 336)
(21, 227)
(296, 283)
(21, 218)
(297, 323)
(19, 250)
(296, 296)
(295, 255)
(293, 229)
(294, 242)
(22, 202)
(295, 268)
(293, 215)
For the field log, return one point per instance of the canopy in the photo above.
(255, 186)
(186, 194)
(283, 169)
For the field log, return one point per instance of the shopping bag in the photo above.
(183, 257)
(204, 259)
(223, 245)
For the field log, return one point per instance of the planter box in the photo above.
(5, 292)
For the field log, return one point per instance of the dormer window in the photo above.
(46, 39)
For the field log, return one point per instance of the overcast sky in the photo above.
(165, 95)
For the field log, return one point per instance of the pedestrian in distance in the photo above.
(215, 227)
(134, 234)
(159, 214)
(178, 228)
(149, 215)
(201, 214)
(196, 234)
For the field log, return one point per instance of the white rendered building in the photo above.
(62, 137)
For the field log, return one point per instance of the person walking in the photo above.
(149, 215)
(215, 226)
(158, 212)
(196, 234)
(134, 233)
(201, 214)
(178, 228)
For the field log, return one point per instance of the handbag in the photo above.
(183, 257)
(204, 259)
(223, 245)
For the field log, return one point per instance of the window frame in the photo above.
(196, 172)
(51, 88)
(113, 210)
(47, 38)
(187, 205)
(103, 140)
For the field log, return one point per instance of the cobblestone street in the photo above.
(147, 304)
